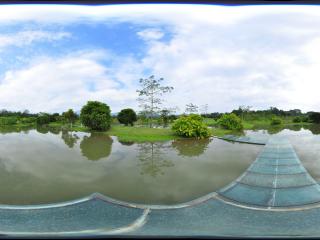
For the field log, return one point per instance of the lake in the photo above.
(47, 165)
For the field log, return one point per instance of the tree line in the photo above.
(97, 115)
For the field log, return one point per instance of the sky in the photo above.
(56, 57)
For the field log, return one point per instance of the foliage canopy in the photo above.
(96, 115)
(127, 116)
(230, 121)
(276, 121)
(191, 126)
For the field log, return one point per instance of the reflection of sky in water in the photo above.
(306, 142)
(47, 165)
(50, 166)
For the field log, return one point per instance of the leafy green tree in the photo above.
(191, 126)
(55, 117)
(43, 118)
(150, 95)
(314, 117)
(276, 121)
(230, 121)
(172, 117)
(96, 115)
(297, 119)
(69, 116)
(127, 116)
(242, 111)
(165, 116)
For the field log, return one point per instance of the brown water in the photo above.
(48, 165)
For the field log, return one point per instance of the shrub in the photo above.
(297, 119)
(314, 117)
(96, 115)
(69, 116)
(276, 121)
(304, 119)
(191, 126)
(127, 116)
(230, 121)
(43, 118)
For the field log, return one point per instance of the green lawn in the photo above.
(141, 134)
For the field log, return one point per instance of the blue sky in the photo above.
(57, 57)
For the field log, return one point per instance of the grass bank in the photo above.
(141, 134)
(77, 127)
(146, 134)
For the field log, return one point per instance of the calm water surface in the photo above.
(47, 165)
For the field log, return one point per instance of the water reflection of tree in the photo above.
(314, 128)
(126, 143)
(152, 159)
(15, 129)
(275, 129)
(69, 138)
(294, 127)
(42, 129)
(54, 130)
(191, 147)
(97, 146)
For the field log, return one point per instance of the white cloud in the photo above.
(144, 13)
(27, 37)
(50, 84)
(151, 34)
(265, 60)
(224, 56)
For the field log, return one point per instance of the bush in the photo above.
(304, 119)
(127, 116)
(43, 118)
(297, 120)
(314, 117)
(230, 121)
(191, 126)
(96, 115)
(276, 121)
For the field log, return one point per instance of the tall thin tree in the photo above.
(150, 95)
